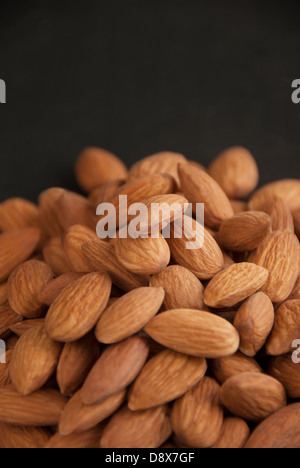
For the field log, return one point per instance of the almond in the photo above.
(17, 213)
(105, 192)
(182, 288)
(235, 284)
(286, 371)
(75, 362)
(197, 417)
(281, 430)
(280, 215)
(7, 318)
(236, 172)
(239, 206)
(22, 437)
(117, 367)
(33, 361)
(296, 221)
(229, 366)
(76, 310)
(253, 396)
(56, 286)
(55, 256)
(286, 189)
(4, 372)
(172, 207)
(73, 240)
(101, 256)
(296, 290)
(245, 231)
(22, 327)
(195, 333)
(3, 293)
(96, 166)
(85, 440)
(129, 314)
(286, 328)
(25, 285)
(15, 248)
(167, 376)
(137, 429)
(254, 322)
(279, 253)
(198, 187)
(72, 209)
(48, 212)
(41, 408)
(234, 434)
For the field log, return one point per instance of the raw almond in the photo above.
(235, 284)
(72, 209)
(253, 396)
(286, 189)
(7, 318)
(117, 367)
(166, 377)
(25, 285)
(296, 221)
(137, 429)
(17, 213)
(129, 314)
(229, 366)
(234, 434)
(286, 371)
(85, 440)
(105, 192)
(55, 256)
(4, 370)
(197, 417)
(76, 310)
(22, 437)
(254, 322)
(286, 328)
(172, 207)
(195, 333)
(3, 293)
(73, 240)
(280, 215)
(48, 212)
(296, 290)
(22, 327)
(279, 253)
(56, 286)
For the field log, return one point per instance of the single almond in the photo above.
(56, 286)
(167, 376)
(194, 332)
(8, 318)
(137, 429)
(129, 314)
(233, 285)
(3, 293)
(229, 366)
(18, 213)
(182, 288)
(117, 367)
(22, 327)
(279, 253)
(48, 213)
(283, 369)
(280, 214)
(23, 437)
(105, 192)
(4, 370)
(73, 209)
(286, 189)
(197, 417)
(253, 396)
(234, 434)
(244, 231)
(55, 256)
(25, 285)
(254, 322)
(85, 440)
(286, 328)
(296, 290)
(73, 240)
(78, 308)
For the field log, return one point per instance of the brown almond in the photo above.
(18, 213)
(97, 166)
(286, 328)
(129, 314)
(7, 318)
(25, 285)
(283, 369)
(117, 367)
(76, 310)
(167, 376)
(15, 248)
(4, 369)
(73, 209)
(55, 256)
(286, 189)
(105, 192)
(279, 253)
(75, 362)
(56, 286)
(182, 288)
(22, 327)
(280, 214)
(197, 417)
(48, 212)
(85, 440)
(234, 434)
(22, 437)
(41, 408)
(253, 396)
(73, 240)
(233, 285)
(229, 366)
(239, 206)
(172, 207)
(236, 172)
(195, 333)
(296, 221)
(198, 187)
(244, 231)
(137, 429)
(296, 291)
(3, 293)
(254, 322)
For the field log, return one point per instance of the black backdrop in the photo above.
(140, 76)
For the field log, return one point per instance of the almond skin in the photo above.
(34, 360)
(18, 213)
(25, 285)
(22, 437)
(174, 205)
(15, 248)
(137, 429)
(198, 187)
(76, 360)
(22, 327)
(41, 408)
(3, 293)
(245, 231)
(167, 376)
(286, 371)
(55, 256)
(48, 212)
(254, 322)
(229, 366)
(129, 314)
(76, 310)
(236, 172)
(97, 166)
(194, 332)
(279, 253)
(78, 417)
(182, 288)
(85, 440)
(253, 396)
(281, 430)
(286, 328)
(73, 209)
(234, 284)
(105, 192)
(4, 370)
(234, 434)
(280, 214)
(117, 367)
(53, 289)
(7, 318)
(197, 417)
(74, 238)
(286, 189)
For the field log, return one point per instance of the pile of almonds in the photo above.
(140, 342)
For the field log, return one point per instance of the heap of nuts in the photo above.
(140, 342)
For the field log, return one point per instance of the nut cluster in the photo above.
(131, 343)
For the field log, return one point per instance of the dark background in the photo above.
(141, 76)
